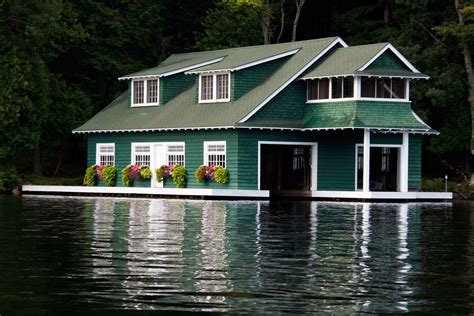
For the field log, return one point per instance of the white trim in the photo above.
(366, 171)
(214, 87)
(361, 74)
(145, 92)
(314, 159)
(296, 75)
(97, 145)
(357, 99)
(374, 129)
(206, 151)
(249, 194)
(251, 64)
(420, 120)
(133, 151)
(393, 50)
(264, 60)
(404, 163)
(173, 72)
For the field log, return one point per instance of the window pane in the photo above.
(138, 90)
(176, 159)
(142, 159)
(348, 87)
(383, 88)
(323, 89)
(398, 88)
(206, 87)
(152, 91)
(368, 87)
(216, 160)
(222, 88)
(312, 89)
(337, 87)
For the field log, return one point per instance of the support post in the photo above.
(366, 181)
(404, 163)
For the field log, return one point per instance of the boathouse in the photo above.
(315, 117)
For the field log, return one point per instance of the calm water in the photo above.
(110, 254)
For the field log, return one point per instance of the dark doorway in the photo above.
(383, 169)
(285, 167)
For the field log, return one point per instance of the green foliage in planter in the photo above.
(109, 174)
(179, 176)
(90, 178)
(162, 173)
(221, 175)
(200, 173)
(126, 180)
(145, 172)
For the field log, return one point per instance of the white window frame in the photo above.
(207, 153)
(145, 92)
(134, 152)
(168, 153)
(214, 87)
(98, 154)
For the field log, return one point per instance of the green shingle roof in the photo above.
(348, 61)
(363, 114)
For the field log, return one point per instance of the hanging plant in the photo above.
(145, 172)
(179, 175)
(107, 173)
(221, 175)
(162, 173)
(90, 178)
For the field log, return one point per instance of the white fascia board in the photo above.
(393, 50)
(265, 60)
(215, 71)
(312, 61)
(365, 75)
(153, 129)
(176, 71)
(420, 120)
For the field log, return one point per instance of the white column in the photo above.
(366, 182)
(404, 163)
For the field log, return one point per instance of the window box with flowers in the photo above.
(101, 175)
(132, 175)
(177, 173)
(207, 174)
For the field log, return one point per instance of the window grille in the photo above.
(106, 155)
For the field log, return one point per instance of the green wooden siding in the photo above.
(194, 151)
(386, 139)
(387, 60)
(171, 86)
(279, 109)
(414, 162)
(249, 78)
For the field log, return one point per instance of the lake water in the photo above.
(61, 254)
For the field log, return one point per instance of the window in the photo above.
(215, 153)
(342, 87)
(318, 89)
(385, 159)
(105, 154)
(145, 92)
(175, 154)
(383, 88)
(213, 88)
(141, 154)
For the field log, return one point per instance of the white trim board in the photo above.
(393, 50)
(173, 72)
(338, 40)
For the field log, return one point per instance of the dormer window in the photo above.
(383, 88)
(214, 88)
(145, 92)
(330, 88)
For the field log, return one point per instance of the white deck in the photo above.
(265, 194)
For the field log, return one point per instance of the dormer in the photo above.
(214, 87)
(367, 72)
(145, 91)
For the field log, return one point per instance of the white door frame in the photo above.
(314, 159)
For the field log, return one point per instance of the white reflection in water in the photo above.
(403, 255)
(101, 244)
(212, 277)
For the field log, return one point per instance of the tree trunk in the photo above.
(386, 12)
(38, 168)
(282, 20)
(60, 159)
(470, 75)
(299, 5)
(265, 22)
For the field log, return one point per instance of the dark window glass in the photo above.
(337, 87)
(383, 88)
(398, 88)
(368, 87)
(323, 88)
(348, 87)
(312, 89)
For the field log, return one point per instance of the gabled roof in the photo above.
(356, 60)
(182, 111)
